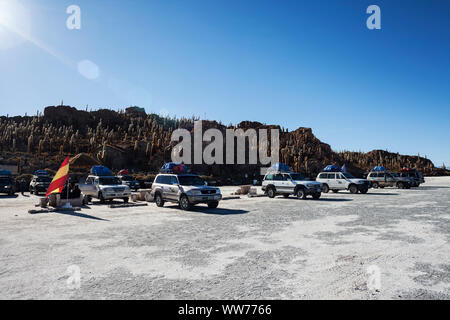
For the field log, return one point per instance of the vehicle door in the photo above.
(341, 182)
(288, 183)
(278, 182)
(381, 178)
(332, 183)
(390, 180)
(88, 188)
(172, 188)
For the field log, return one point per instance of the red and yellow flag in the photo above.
(60, 179)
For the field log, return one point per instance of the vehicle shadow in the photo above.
(331, 199)
(318, 200)
(9, 197)
(430, 188)
(217, 211)
(79, 214)
(379, 194)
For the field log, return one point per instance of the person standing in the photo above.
(22, 186)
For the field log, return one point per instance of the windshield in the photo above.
(297, 176)
(127, 178)
(5, 180)
(348, 175)
(43, 179)
(109, 181)
(395, 174)
(190, 181)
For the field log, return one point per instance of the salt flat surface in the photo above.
(249, 248)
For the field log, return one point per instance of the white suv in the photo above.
(105, 188)
(184, 189)
(290, 183)
(336, 181)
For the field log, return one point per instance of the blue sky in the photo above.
(294, 63)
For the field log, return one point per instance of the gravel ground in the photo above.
(248, 248)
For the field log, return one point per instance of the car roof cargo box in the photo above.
(331, 168)
(379, 168)
(280, 167)
(4, 172)
(173, 167)
(101, 171)
(123, 172)
(39, 173)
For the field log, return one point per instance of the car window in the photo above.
(173, 180)
(269, 177)
(278, 177)
(331, 176)
(190, 181)
(323, 176)
(297, 176)
(162, 179)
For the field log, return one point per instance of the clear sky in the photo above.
(294, 63)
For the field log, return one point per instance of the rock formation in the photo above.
(142, 142)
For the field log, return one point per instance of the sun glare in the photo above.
(14, 23)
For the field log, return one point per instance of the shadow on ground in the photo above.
(206, 210)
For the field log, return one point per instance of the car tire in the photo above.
(353, 189)
(125, 200)
(31, 191)
(184, 203)
(213, 204)
(316, 195)
(159, 200)
(400, 185)
(271, 192)
(301, 194)
(325, 188)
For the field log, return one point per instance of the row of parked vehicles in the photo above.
(280, 180)
(177, 185)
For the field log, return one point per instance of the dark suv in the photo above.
(7, 185)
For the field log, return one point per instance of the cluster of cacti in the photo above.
(144, 140)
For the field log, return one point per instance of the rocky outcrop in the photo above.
(142, 142)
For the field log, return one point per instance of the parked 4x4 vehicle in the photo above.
(290, 183)
(414, 175)
(381, 179)
(6, 182)
(39, 184)
(336, 181)
(185, 189)
(105, 188)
